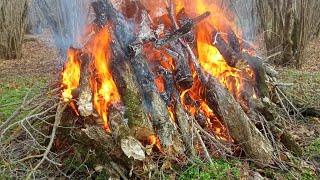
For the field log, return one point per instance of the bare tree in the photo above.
(13, 15)
(287, 27)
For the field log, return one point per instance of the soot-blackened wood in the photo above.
(260, 76)
(240, 127)
(169, 86)
(234, 41)
(154, 104)
(173, 37)
(85, 105)
(182, 73)
(232, 58)
(105, 11)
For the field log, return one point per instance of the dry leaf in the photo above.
(98, 168)
(283, 157)
(166, 165)
(132, 148)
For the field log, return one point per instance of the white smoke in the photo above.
(66, 19)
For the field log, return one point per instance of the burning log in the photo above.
(234, 41)
(182, 73)
(135, 113)
(85, 105)
(105, 11)
(260, 76)
(242, 130)
(233, 58)
(155, 106)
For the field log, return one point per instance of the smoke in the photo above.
(66, 19)
(245, 17)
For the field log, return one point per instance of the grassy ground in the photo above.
(13, 89)
(306, 87)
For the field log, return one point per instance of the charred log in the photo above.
(234, 41)
(186, 28)
(155, 106)
(260, 76)
(105, 11)
(182, 73)
(232, 58)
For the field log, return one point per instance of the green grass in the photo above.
(313, 149)
(306, 88)
(220, 169)
(13, 89)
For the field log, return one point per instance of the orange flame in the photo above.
(154, 140)
(104, 88)
(70, 75)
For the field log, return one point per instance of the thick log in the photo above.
(234, 41)
(182, 72)
(241, 129)
(85, 105)
(135, 111)
(105, 11)
(260, 76)
(154, 104)
(184, 128)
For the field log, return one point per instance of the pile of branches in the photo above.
(45, 130)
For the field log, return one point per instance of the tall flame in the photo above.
(104, 88)
(70, 75)
(210, 58)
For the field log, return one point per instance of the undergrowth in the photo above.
(220, 169)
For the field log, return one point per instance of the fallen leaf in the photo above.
(166, 165)
(283, 157)
(98, 168)
(132, 148)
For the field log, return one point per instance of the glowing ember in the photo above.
(104, 89)
(160, 83)
(70, 75)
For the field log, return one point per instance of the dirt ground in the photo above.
(40, 57)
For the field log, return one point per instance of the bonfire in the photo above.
(170, 81)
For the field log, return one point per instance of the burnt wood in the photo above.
(232, 58)
(234, 41)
